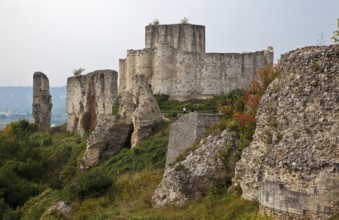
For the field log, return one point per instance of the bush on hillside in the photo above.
(89, 184)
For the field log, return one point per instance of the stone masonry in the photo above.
(189, 38)
(186, 131)
(292, 165)
(175, 63)
(42, 100)
(88, 97)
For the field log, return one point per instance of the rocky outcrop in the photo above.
(139, 113)
(60, 209)
(42, 100)
(147, 113)
(109, 137)
(202, 169)
(175, 63)
(89, 97)
(185, 132)
(292, 165)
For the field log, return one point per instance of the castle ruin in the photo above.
(175, 63)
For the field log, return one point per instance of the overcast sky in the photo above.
(57, 36)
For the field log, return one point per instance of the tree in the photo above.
(335, 37)
(77, 72)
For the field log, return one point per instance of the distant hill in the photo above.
(17, 100)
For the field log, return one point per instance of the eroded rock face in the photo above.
(138, 114)
(89, 97)
(42, 100)
(292, 165)
(202, 168)
(108, 138)
(147, 113)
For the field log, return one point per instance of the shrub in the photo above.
(22, 128)
(185, 20)
(78, 72)
(335, 36)
(88, 184)
(155, 21)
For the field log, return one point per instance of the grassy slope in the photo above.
(135, 174)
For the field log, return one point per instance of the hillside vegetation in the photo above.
(40, 167)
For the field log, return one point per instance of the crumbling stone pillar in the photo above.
(42, 100)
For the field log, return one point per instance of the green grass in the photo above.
(130, 198)
(130, 177)
(148, 155)
(135, 174)
(173, 108)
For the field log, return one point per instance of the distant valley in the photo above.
(16, 103)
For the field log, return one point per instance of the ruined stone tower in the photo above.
(88, 97)
(175, 63)
(189, 38)
(42, 100)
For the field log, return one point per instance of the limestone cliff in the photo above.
(139, 113)
(292, 165)
(42, 100)
(175, 63)
(89, 97)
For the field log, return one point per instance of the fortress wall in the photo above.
(175, 63)
(122, 75)
(138, 62)
(130, 69)
(187, 75)
(186, 131)
(221, 73)
(186, 85)
(184, 37)
(89, 96)
(164, 70)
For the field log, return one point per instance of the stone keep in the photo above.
(42, 100)
(292, 165)
(88, 97)
(175, 63)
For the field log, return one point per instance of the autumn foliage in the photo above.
(241, 110)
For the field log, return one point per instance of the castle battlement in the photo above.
(184, 37)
